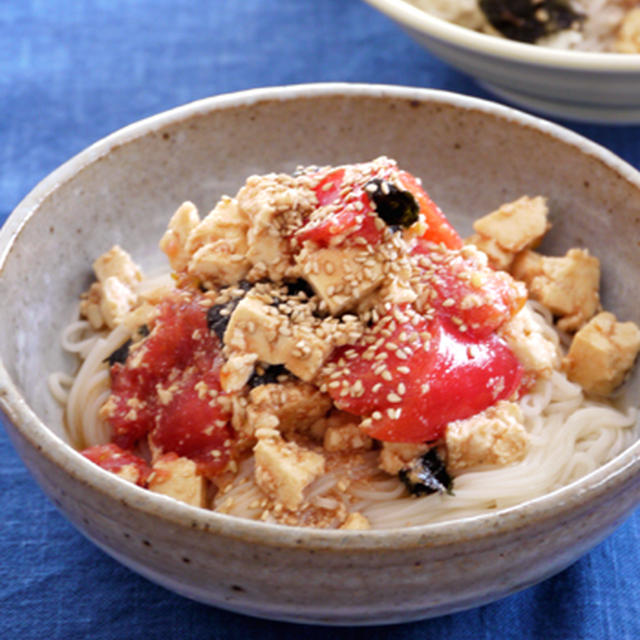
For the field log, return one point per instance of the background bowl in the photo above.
(593, 87)
(472, 155)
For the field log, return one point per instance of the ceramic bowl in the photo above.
(592, 87)
(473, 155)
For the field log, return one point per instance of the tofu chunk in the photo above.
(130, 473)
(568, 286)
(177, 477)
(341, 276)
(296, 405)
(356, 522)
(602, 353)
(395, 456)
(256, 327)
(117, 263)
(237, 370)
(284, 469)
(496, 437)
(275, 205)
(116, 301)
(346, 437)
(218, 245)
(529, 342)
(112, 297)
(513, 227)
(628, 36)
(174, 240)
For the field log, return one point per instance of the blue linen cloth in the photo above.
(72, 72)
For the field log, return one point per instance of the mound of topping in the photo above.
(326, 317)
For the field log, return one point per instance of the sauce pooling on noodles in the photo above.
(329, 352)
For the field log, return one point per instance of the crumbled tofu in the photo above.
(284, 469)
(495, 436)
(129, 472)
(537, 352)
(346, 437)
(296, 405)
(237, 370)
(341, 276)
(117, 263)
(275, 205)
(356, 522)
(218, 245)
(395, 456)
(628, 36)
(177, 477)
(567, 286)
(174, 240)
(116, 301)
(255, 327)
(499, 258)
(108, 301)
(334, 419)
(513, 227)
(602, 353)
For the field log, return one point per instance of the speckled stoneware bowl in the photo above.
(472, 155)
(588, 86)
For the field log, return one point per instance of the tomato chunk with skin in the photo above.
(352, 214)
(477, 298)
(439, 229)
(436, 374)
(115, 459)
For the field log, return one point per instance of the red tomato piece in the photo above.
(346, 220)
(477, 298)
(352, 214)
(194, 425)
(112, 458)
(328, 188)
(169, 388)
(441, 375)
(439, 229)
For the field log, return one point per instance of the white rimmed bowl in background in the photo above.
(579, 85)
(472, 156)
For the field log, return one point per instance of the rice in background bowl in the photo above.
(569, 83)
(600, 25)
(137, 175)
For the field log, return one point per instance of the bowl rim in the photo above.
(614, 476)
(416, 19)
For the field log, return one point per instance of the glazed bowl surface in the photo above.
(579, 85)
(472, 155)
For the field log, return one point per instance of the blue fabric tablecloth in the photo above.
(72, 72)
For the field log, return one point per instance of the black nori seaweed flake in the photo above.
(529, 20)
(427, 475)
(219, 315)
(269, 375)
(294, 287)
(395, 206)
(120, 355)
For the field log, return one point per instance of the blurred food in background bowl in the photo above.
(578, 61)
(472, 155)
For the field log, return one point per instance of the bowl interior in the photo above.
(472, 156)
